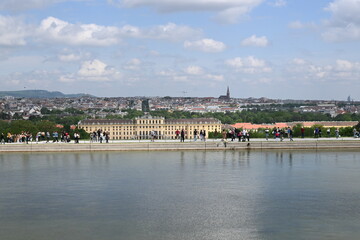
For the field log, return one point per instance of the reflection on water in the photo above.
(180, 195)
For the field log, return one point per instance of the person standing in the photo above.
(316, 132)
(101, 137)
(204, 135)
(177, 132)
(267, 133)
(2, 138)
(201, 135)
(337, 133)
(107, 137)
(288, 132)
(182, 135)
(224, 134)
(275, 132)
(328, 132)
(239, 135)
(302, 132)
(195, 135)
(47, 137)
(232, 134)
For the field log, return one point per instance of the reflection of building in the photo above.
(141, 127)
(227, 96)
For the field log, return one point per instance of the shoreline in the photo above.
(211, 145)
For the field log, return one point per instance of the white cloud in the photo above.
(133, 64)
(95, 71)
(35, 79)
(345, 65)
(69, 57)
(56, 30)
(12, 31)
(249, 65)
(296, 25)
(169, 31)
(255, 41)
(344, 24)
(279, 3)
(228, 11)
(194, 75)
(194, 70)
(215, 77)
(205, 45)
(173, 32)
(339, 72)
(17, 5)
(299, 61)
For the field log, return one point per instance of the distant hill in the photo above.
(39, 94)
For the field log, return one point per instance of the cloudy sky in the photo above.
(259, 48)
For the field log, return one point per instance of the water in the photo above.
(180, 195)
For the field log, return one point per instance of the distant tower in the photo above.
(227, 96)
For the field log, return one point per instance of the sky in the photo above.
(283, 49)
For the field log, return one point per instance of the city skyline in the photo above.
(262, 48)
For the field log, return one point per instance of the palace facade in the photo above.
(142, 127)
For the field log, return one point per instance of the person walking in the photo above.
(290, 134)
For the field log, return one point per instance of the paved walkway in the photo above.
(198, 141)
(169, 145)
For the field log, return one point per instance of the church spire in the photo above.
(228, 93)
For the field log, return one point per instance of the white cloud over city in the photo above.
(185, 45)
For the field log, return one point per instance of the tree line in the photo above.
(72, 116)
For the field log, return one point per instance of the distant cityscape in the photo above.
(100, 107)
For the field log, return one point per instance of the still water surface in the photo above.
(180, 195)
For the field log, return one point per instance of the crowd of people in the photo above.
(26, 137)
(99, 136)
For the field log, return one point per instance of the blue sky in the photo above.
(259, 48)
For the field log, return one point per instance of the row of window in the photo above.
(149, 122)
(168, 129)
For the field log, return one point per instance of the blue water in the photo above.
(180, 195)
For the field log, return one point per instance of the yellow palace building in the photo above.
(143, 127)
